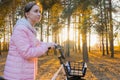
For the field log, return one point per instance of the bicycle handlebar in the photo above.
(60, 48)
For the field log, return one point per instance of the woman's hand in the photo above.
(51, 45)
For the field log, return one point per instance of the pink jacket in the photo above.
(24, 49)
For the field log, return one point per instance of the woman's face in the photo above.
(34, 15)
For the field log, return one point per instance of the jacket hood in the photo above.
(24, 21)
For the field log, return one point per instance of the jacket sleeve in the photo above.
(23, 45)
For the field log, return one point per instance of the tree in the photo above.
(111, 30)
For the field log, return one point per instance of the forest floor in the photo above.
(99, 67)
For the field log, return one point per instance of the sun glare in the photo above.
(94, 40)
(63, 37)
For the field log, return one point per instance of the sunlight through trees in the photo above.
(71, 23)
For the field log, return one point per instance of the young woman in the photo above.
(24, 47)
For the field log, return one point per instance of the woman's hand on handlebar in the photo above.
(51, 45)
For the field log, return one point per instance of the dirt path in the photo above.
(47, 66)
(99, 67)
(51, 65)
(104, 67)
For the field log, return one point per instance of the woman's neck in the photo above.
(31, 22)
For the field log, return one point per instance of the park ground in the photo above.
(99, 67)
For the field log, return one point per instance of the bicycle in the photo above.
(73, 70)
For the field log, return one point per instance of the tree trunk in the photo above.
(89, 39)
(0, 48)
(103, 46)
(106, 27)
(102, 28)
(111, 31)
(84, 39)
(68, 44)
(79, 46)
